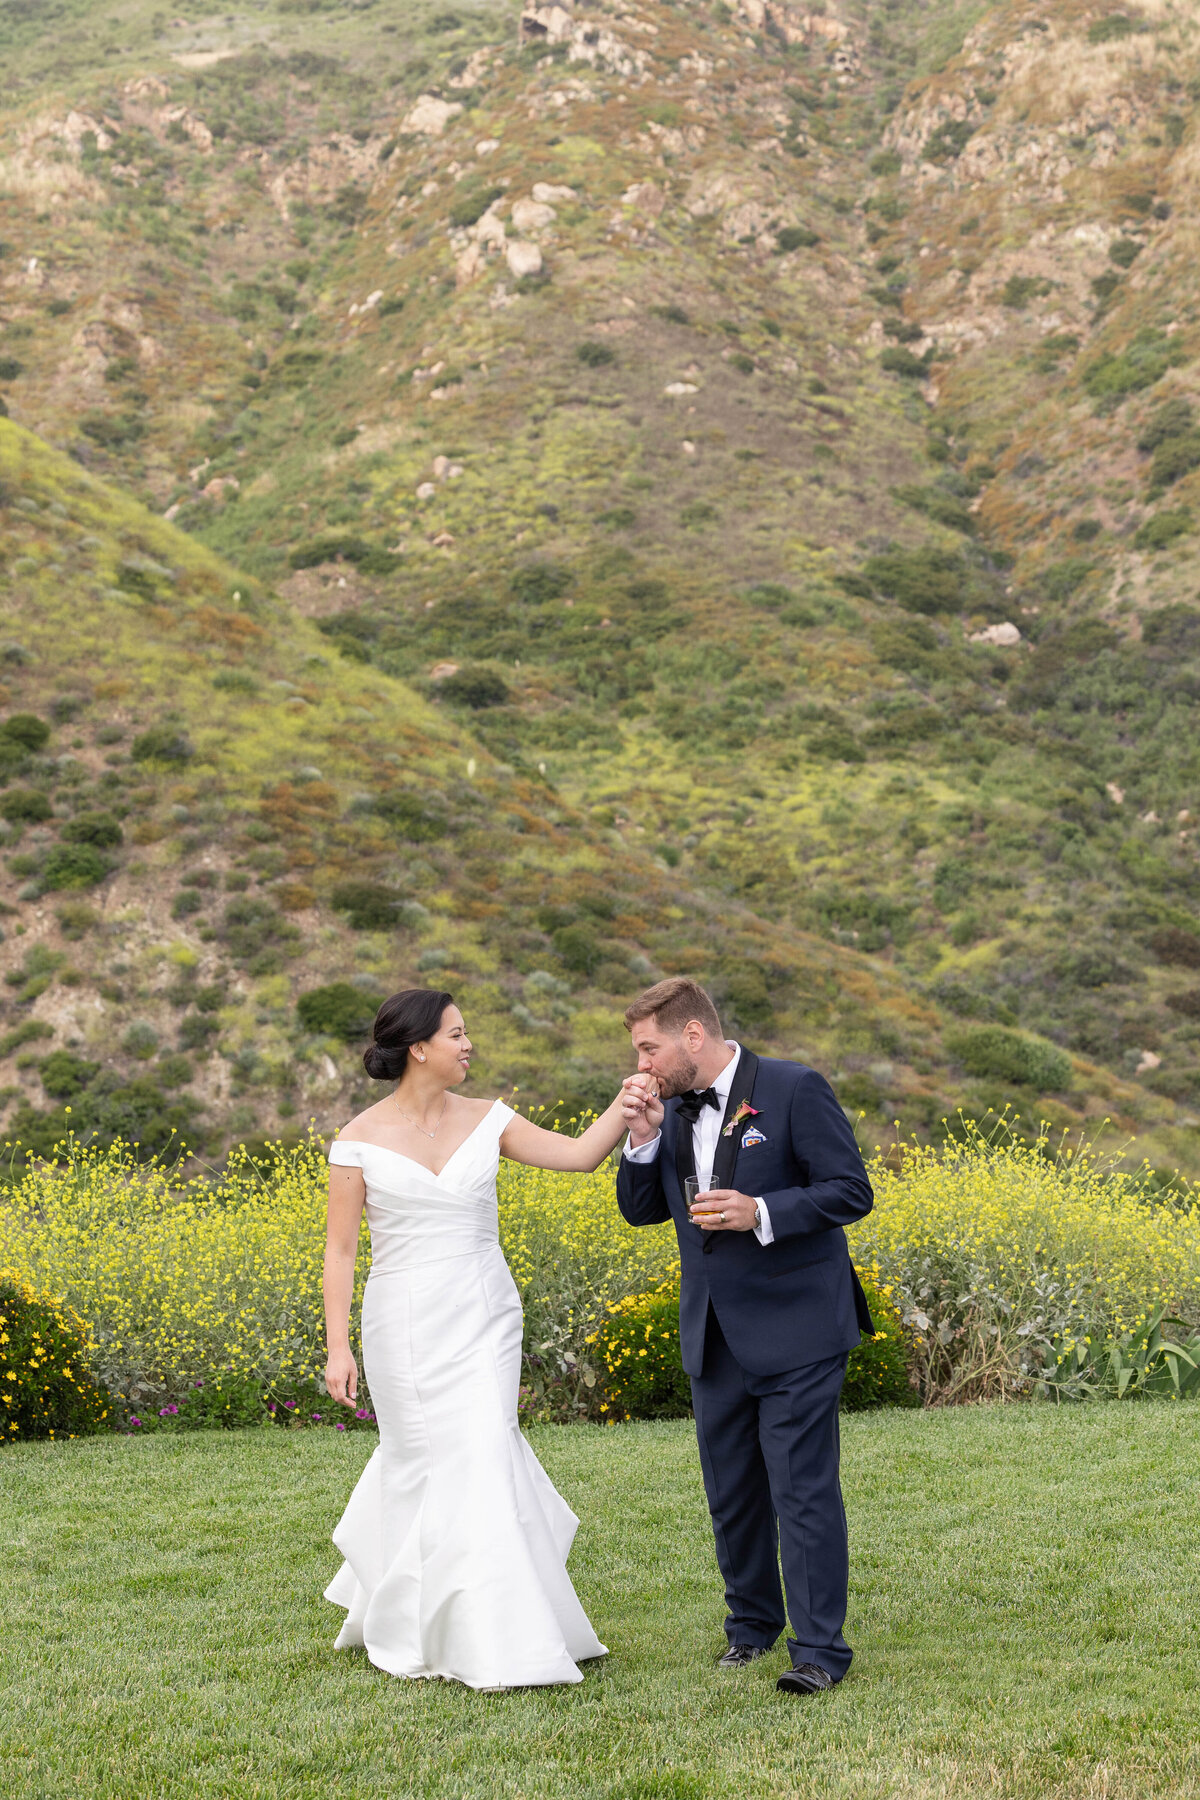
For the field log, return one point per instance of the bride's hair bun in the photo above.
(404, 1019)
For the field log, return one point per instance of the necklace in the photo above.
(421, 1128)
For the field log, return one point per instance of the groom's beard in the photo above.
(681, 1080)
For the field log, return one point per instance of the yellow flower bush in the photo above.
(47, 1389)
(1004, 1255)
(183, 1282)
(1002, 1258)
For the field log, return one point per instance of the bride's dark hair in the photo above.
(404, 1019)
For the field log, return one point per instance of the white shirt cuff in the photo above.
(643, 1153)
(762, 1230)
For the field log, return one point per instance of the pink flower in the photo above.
(340, 1426)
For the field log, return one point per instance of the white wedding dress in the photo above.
(455, 1539)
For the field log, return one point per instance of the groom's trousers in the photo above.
(769, 1450)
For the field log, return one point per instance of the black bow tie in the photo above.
(691, 1105)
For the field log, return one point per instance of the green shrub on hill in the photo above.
(27, 730)
(368, 905)
(99, 829)
(927, 580)
(992, 1052)
(338, 1010)
(21, 806)
(72, 866)
(162, 743)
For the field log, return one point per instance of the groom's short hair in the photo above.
(671, 1003)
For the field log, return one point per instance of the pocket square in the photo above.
(752, 1137)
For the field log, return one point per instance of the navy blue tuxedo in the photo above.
(765, 1331)
(793, 1301)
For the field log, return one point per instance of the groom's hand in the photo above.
(724, 1209)
(641, 1108)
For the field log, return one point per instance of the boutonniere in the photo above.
(745, 1111)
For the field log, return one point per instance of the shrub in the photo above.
(99, 829)
(342, 547)
(1174, 418)
(475, 687)
(1173, 945)
(796, 237)
(579, 948)
(338, 1010)
(536, 583)
(174, 1070)
(1124, 251)
(887, 162)
(1188, 1004)
(413, 817)
(72, 866)
(899, 361)
(258, 936)
(162, 743)
(1174, 629)
(47, 1389)
(1112, 375)
(472, 205)
(10, 368)
(196, 1030)
(877, 1373)
(1003, 1255)
(949, 140)
(1019, 290)
(24, 1033)
(140, 1041)
(27, 730)
(637, 1348)
(1114, 26)
(1173, 458)
(927, 580)
(993, 1051)
(368, 905)
(186, 902)
(697, 512)
(593, 355)
(64, 1075)
(22, 806)
(1163, 530)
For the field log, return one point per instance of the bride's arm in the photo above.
(525, 1142)
(346, 1196)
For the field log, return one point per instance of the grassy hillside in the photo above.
(726, 425)
(224, 843)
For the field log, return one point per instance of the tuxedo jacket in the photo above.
(796, 1300)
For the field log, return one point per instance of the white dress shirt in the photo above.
(705, 1135)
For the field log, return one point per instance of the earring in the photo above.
(420, 1058)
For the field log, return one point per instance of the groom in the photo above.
(769, 1310)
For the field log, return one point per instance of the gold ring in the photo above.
(722, 1218)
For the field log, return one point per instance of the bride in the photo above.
(455, 1541)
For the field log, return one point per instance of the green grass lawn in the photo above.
(1023, 1607)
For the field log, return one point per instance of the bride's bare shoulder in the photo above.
(365, 1124)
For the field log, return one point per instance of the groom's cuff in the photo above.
(762, 1230)
(643, 1153)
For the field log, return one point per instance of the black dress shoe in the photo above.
(738, 1655)
(809, 1678)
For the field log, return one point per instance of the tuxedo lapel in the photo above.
(685, 1156)
(727, 1147)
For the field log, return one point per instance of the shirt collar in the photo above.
(724, 1080)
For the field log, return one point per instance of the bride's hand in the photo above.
(641, 1106)
(341, 1377)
